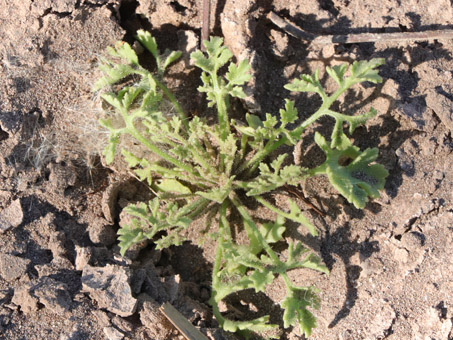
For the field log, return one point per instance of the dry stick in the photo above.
(181, 323)
(357, 38)
(206, 22)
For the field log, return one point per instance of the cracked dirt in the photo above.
(391, 264)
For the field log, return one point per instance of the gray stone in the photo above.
(440, 101)
(113, 334)
(11, 217)
(122, 324)
(23, 298)
(112, 194)
(187, 43)
(53, 294)
(137, 280)
(109, 287)
(83, 257)
(56, 243)
(58, 263)
(101, 232)
(150, 316)
(101, 317)
(413, 240)
(12, 267)
(153, 285)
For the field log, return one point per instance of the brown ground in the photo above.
(391, 264)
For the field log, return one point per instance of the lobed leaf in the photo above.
(172, 57)
(129, 235)
(110, 149)
(297, 216)
(366, 70)
(358, 180)
(147, 40)
(124, 50)
(337, 72)
(237, 75)
(273, 231)
(307, 83)
(289, 114)
(112, 74)
(172, 185)
(295, 305)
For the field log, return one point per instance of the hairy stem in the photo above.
(257, 241)
(175, 103)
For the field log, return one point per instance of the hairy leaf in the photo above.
(129, 235)
(366, 70)
(273, 231)
(358, 180)
(337, 72)
(172, 185)
(269, 180)
(296, 312)
(238, 75)
(307, 83)
(148, 41)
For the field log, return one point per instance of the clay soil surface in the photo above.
(61, 275)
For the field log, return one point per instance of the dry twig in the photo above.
(356, 38)
(206, 22)
(181, 323)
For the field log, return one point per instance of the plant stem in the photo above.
(253, 162)
(134, 133)
(273, 208)
(257, 241)
(175, 103)
(224, 228)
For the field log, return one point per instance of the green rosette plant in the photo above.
(200, 169)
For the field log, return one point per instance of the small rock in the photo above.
(151, 317)
(112, 194)
(102, 317)
(56, 243)
(113, 334)
(328, 51)
(172, 287)
(12, 267)
(280, 44)
(440, 101)
(101, 232)
(187, 43)
(413, 240)
(137, 280)
(109, 287)
(11, 217)
(23, 298)
(122, 324)
(405, 162)
(61, 176)
(153, 285)
(83, 257)
(416, 113)
(53, 294)
(57, 264)
(401, 255)
(10, 122)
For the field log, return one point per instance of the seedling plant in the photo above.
(197, 169)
